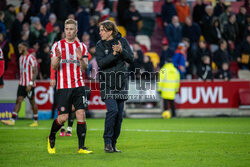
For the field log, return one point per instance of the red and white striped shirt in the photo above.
(26, 64)
(69, 73)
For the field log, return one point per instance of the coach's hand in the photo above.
(28, 88)
(117, 48)
(53, 83)
(78, 53)
(58, 53)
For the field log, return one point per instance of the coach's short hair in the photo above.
(109, 26)
(71, 21)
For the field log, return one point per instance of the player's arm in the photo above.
(83, 59)
(35, 73)
(55, 60)
(52, 77)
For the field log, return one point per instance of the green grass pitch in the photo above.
(144, 142)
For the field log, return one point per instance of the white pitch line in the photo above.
(137, 130)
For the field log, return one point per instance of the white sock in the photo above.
(69, 129)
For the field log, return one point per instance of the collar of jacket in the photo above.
(113, 41)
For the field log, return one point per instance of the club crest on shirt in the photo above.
(62, 109)
(106, 51)
(71, 57)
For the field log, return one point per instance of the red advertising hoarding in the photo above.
(215, 94)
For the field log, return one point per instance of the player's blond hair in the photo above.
(71, 21)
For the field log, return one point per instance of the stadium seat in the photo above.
(244, 96)
(154, 58)
(144, 40)
(130, 39)
(122, 30)
(244, 74)
(234, 68)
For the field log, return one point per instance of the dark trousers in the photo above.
(113, 120)
(172, 106)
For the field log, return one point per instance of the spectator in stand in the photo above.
(93, 66)
(4, 45)
(132, 17)
(174, 33)
(122, 6)
(241, 21)
(243, 53)
(93, 30)
(222, 55)
(168, 10)
(147, 68)
(137, 48)
(205, 69)
(179, 59)
(183, 10)
(61, 9)
(207, 22)
(224, 72)
(43, 15)
(215, 35)
(16, 31)
(2, 25)
(166, 52)
(53, 35)
(191, 31)
(3, 4)
(86, 39)
(199, 11)
(51, 24)
(9, 17)
(189, 57)
(83, 21)
(25, 9)
(37, 32)
(26, 29)
(135, 67)
(43, 58)
(201, 52)
(219, 8)
(231, 31)
(247, 5)
(224, 17)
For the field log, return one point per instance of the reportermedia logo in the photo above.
(137, 84)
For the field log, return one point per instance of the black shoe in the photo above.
(52, 142)
(108, 148)
(116, 150)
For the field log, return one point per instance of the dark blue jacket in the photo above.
(168, 10)
(113, 72)
(192, 33)
(174, 35)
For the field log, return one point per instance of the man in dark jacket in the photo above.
(222, 55)
(132, 17)
(168, 10)
(199, 11)
(243, 53)
(112, 54)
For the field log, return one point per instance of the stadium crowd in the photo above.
(203, 41)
